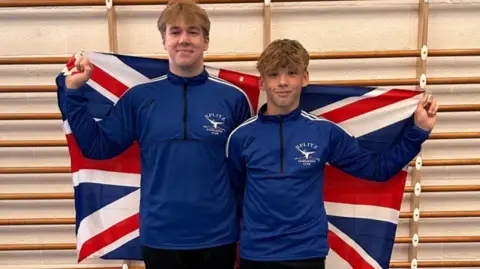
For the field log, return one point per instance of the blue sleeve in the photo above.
(236, 169)
(243, 110)
(102, 139)
(346, 154)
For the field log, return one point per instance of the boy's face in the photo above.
(284, 86)
(185, 45)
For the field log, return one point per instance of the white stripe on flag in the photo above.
(106, 177)
(376, 119)
(66, 127)
(212, 71)
(355, 246)
(108, 216)
(335, 261)
(362, 211)
(117, 69)
(349, 100)
(121, 241)
(102, 91)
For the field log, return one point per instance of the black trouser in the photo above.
(222, 257)
(300, 264)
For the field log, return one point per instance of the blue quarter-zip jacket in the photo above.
(181, 126)
(277, 165)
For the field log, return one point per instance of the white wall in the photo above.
(326, 26)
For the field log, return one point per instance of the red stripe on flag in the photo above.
(248, 83)
(71, 63)
(347, 252)
(341, 187)
(108, 236)
(368, 104)
(108, 82)
(126, 162)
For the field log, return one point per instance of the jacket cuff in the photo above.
(421, 133)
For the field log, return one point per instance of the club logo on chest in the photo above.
(307, 151)
(215, 123)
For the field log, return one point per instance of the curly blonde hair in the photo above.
(283, 53)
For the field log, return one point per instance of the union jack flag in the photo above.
(363, 215)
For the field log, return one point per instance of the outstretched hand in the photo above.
(426, 112)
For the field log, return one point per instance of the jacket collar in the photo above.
(292, 116)
(196, 80)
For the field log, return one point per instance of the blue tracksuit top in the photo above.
(277, 165)
(181, 126)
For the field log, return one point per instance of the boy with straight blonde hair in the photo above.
(181, 122)
(277, 159)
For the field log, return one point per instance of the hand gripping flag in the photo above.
(362, 215)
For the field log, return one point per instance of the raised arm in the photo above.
(346, 153)
(102, 139)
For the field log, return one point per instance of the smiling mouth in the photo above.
(283, 94)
